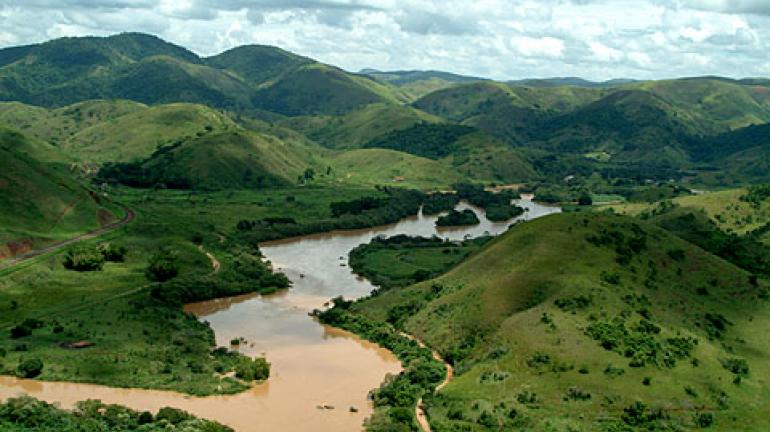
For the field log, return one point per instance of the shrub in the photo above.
(738, 366)
(585, 199)
(457, 218)
(172, 415)
(703, 420)
(610, 277)
(163, 266)
(572, 304)
(488, 420)
(84, 258)
(30, 368)
(253, 370)
(25, 328)
(676, 254)
(577, 393)
(113, 252)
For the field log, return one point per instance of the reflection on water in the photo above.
(312, 364)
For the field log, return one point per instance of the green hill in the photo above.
(482, 157)
(147, 69)
(137, 134)
(257, 63)
(591, 323)
(321, 89)
(652, 122)
(57, 125)
(234, 159)
(39, 201)
(420, 83)
(68, 70)
(358, 127)
(389, 167)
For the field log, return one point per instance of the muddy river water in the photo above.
(312, 365)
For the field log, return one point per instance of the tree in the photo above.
(30, 368)
(256, 370)
(113, 252)
(84, 258)
(585, 199)
(163, 266)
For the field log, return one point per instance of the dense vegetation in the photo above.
(364, 212)
(458, 218)
(433, 141)
(402, 260)
(28, 414)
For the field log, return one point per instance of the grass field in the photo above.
(557, 325)
(725, 208)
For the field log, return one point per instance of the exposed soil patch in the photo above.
(105, 217)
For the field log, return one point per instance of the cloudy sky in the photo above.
(502, 39)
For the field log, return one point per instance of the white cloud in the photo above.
(538, 47)
(604, 53)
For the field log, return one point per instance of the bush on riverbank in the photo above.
(27, 414)
(364, 212)
(396, 399)
(458, 218)
(402, 260)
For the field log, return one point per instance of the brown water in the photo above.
(312, 365)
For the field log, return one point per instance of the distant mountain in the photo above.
(406, 77)
(419, 83)
(642, 122)
(571, 81)
(147, 69)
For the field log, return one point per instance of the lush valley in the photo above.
(642, 307)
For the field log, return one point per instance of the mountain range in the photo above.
(545, 127)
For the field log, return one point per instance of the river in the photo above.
(312, 365)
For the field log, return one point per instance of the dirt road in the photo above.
(19, 259)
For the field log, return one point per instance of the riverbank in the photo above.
(323, 365)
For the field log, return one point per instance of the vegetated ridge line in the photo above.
(10, 262)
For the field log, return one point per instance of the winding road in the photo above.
(19, 259)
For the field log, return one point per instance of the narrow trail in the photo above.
(215, 264)
(419, 409)
(19, 259)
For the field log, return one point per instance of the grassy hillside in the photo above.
(659, 123)
(725, 208)
(713, 105)
(389, 167)
(234, 159)
(57, 125)
(420, 83)
(131, 65)
(146, 69)
(257, 64)
(321, 89)
(137, 134)
(39, 201)
(483, 157)
(638, 329)
(358, 127)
